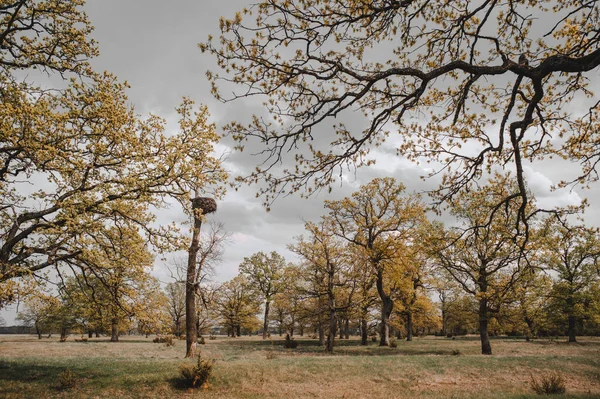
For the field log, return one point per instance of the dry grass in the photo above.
(252, 368)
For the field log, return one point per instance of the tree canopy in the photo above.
(467, 85)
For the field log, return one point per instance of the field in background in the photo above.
(252, 368)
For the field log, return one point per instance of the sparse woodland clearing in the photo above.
(252, 368)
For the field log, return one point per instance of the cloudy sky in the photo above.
(152, 44)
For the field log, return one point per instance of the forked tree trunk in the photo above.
(387, 305)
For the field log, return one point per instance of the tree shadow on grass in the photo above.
(27, 373)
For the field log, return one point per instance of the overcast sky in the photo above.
(152, 44)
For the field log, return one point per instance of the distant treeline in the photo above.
(16, 330)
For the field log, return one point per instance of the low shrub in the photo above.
(393, 343)
(456, 352)
(66, 380)
(196, 375)
(552, 383)
(289, 342)
(164, 339)
(212, 336)
(201, 340)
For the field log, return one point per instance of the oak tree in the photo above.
(265, 272)
(481, 253)
(470, 85)
(378, 219)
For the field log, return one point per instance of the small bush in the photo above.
(456, 352)
(164, 339)
(393, 343)
(201, 340)
(66, 380)
(449, 335)
(212, 336)
(196, 375)
(553, 383)
(289, 342)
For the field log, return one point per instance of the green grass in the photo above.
(252, 368)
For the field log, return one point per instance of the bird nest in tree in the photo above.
(208, 205)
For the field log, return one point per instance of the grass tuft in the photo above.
(550, 384)
(197, 375)
(66, 380)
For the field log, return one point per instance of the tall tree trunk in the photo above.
(321, 334)
(37, 330)
(387, 305)
(341, 327)
(114, 330)
(571, 328)
(266, 322)
(238, 329)
(409, 325)
(90, 333)
(386, 310)
(331, 335)
(347, 329)
(486, 347)
(191, 339)
(364, 334)
(444, 315)
(571, 320)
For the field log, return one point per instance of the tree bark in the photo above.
(191, 339)
(266, 322)
(486, 347)
(347, 329)
(37, 330)
(409, 325)
(331, 335)
(321, 334)
(90, 333)
(571, 328)
(114, 330)
(364, 337)
(387, 305)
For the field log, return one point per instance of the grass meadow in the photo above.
(249, 368)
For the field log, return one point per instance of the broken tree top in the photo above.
(208, 205)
